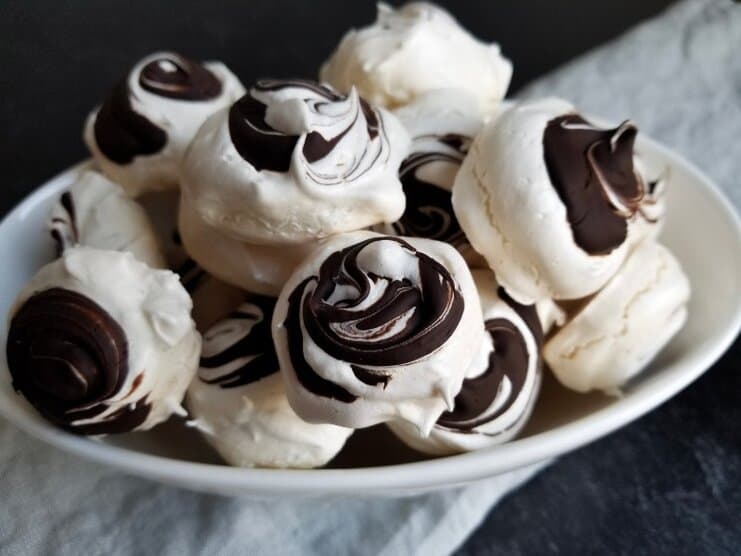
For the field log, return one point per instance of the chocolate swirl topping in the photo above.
(68, 357)
(239, 350)
(367, 320)
(592, 171)
(268, 148)
(258, 143)
(429, 210)
(509, 361)
(177, 77)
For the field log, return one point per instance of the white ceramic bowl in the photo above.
(702, 229)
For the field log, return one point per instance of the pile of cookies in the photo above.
(393, 243)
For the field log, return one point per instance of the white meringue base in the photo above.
(254, 426)
(624, 326)
(259, 269)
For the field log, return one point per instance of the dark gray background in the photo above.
(668, 484)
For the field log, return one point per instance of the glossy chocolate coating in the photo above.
(592, 171)
(267, 148)
(422, 317)
(179, 78)
(510, 358)
(68, 356)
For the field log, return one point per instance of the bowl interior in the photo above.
(701, 229)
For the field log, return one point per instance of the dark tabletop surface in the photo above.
(668, 484)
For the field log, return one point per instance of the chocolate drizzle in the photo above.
(239, 350)
(403, 323)
(429, 210)
(68, 357)
(177, 77)
(592, 171)
(509, 360)
(268, 148)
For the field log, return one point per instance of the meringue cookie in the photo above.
(293, 161)
(96, 212)
(238, 399)
(101, 343)
(372, 328)
(550, 200)
(442, 124)
(501, 386)
(259, 269)
(414, 49)
(139, 134)
(622, 328)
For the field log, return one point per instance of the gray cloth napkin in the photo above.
(678, 76)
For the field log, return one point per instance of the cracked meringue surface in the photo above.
(622, 328)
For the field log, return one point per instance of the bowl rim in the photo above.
(416, 476)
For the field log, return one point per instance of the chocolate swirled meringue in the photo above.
(238, 399)
(414, 49)
(551, 201)
(442, 124)
(293, 161)
(139, 134)
(501, 386)
(617, 332)
(372, 328)
(95, 212)
(261, 269)
(100, 343)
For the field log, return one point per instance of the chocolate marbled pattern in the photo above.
(258, 143)
(509, 360)
(403, 323)
(239, 350)
(68, 356)
(429, 210)
(592, 171)
(267, 148)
